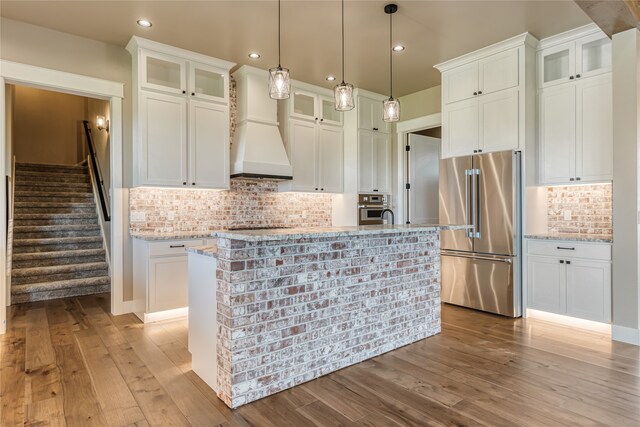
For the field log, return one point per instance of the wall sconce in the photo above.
(102, 123)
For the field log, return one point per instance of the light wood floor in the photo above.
(70, 362)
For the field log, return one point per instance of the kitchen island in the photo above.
(271, 309)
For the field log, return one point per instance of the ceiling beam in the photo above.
(612, 16)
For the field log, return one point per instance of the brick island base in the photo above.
(298, 304)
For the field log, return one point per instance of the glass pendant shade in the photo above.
(391, 110)
(279, 83)
(344, 96)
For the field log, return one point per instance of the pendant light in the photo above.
(279, 82)
(344, 91)
(391, 106)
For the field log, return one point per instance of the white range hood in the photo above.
(257, 150)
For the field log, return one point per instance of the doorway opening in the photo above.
(58, 186)
(422, 157)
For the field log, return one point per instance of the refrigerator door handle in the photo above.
(477, 224)
(467, 200)
(506, 260)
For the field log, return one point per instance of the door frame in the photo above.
(403, 129)
(75, 84)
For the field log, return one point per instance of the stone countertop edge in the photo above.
(210, 251)
(596, 238)
(176, 236)
(320, 232)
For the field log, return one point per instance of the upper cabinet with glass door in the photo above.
(312, 103)
(574, 55)
(163, 72)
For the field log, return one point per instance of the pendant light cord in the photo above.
(391, 54)
(343, 42)
(279, 65)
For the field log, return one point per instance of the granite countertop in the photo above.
(574, 237)
(210, 250)
(172, 236)
(299, 233)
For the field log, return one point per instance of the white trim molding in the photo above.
(76, 84)
(625, 334)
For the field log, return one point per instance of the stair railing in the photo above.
(97, 173)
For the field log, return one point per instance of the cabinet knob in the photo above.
(479, 92)
(184, 183)
(316, 188)
(184, 91)
(475, 151)
(570, 77)
(193, 94)
(375, 128)
(475, 93)
(316, 118)
(376, 190)
(561, 261)
(193, 183)
(568, 262)
(577, 76)
(572, 179)
(322, 189)
(322, 120)
(479, 151)
(578, 179)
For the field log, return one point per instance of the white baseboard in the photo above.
(166, 315)
(126, 307)
(626, 335)
(590, 325)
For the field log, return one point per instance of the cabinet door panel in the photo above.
(168, 280)
(546, 283)
(499, 120)
(303, 155)
(370, 115)
(460, 83)
(460, 128)
(163, 134)
(366, 178)
(499, 71)
(382, 164)
(593, 55)
(557, 134)
(163, 72)
(556, 64)
(594, 115)
(304, 105)
(330, 153)
(589, 290)
(208, 83)
(208, 145)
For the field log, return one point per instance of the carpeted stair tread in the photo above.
(60, 257)
(60, 289)
(84, 187)
(40, 204)
(50, 166)
(59, 231)
(77, 194)
(55, 269)
(33, 242)
(45, 228)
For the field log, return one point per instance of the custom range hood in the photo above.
(257, 150)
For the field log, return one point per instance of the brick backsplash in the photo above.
(293, 310)
(590, 206)
(248, 203)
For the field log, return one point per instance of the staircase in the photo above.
(57, 245)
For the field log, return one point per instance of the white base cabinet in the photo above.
(570, 278)
(160, 278)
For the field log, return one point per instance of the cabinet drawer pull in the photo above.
(561, 261)
(568, 262)
(565, 249)
(176, 246)
(375, 128)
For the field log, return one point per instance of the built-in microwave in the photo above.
(370, 207)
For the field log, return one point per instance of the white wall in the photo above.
(626, 179)
(29, 44)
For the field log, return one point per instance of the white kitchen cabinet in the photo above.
(313, 106)
(209, 145)
(547, 284)
(313, 135)
(374, 162)
(576, 131)
(569, 278)
(163, 143)
(574, 55)
(487, 99)
(160, 278)
(370, 115)
(181, 117)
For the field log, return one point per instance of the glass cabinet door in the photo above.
(163, 72)
(557, 64)
(303, 105)
(329, 113)
(593, 56)
(207, 82)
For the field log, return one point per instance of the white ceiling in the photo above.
(433, 31)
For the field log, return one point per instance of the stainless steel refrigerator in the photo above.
(481, 268)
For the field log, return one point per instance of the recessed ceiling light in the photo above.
(254, 55)
(398, 48)
(330, 78)
(144, 23)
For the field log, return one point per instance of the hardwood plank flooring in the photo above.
(69, 362)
